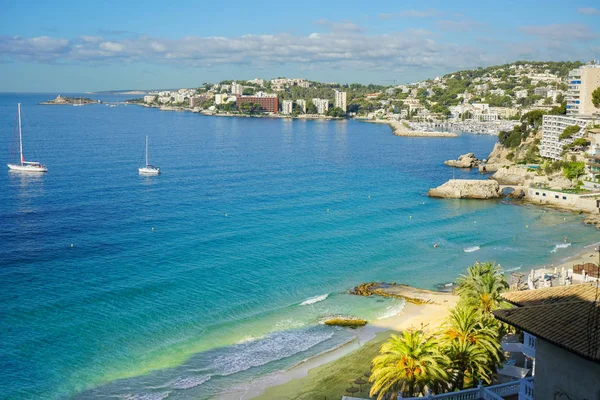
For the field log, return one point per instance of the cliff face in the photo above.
(467, 189)
(465, 161)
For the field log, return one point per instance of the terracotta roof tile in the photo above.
(559, 294)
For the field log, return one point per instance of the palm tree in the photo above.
(410, 364)
(482, 286)
(473, 345)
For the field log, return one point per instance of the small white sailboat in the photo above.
(25, 166)
(148, 169)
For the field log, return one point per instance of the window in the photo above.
(564, 197)
(537, 193)
(544, 194)
(556, 196)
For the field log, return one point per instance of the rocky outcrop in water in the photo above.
(465, 161)
(467, 189)
(593, 219)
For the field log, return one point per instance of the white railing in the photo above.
(522, 387)
(529, 345)
(526, 389)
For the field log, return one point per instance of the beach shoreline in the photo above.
(429, 316)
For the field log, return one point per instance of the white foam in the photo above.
(314, 300)
(272, 347)
(392, 311)
(512, 269)
(471, 249)
(560, 246)
(146, 396)
(188, 382)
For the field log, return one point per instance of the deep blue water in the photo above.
(188, 283)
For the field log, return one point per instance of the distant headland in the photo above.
(76, 101)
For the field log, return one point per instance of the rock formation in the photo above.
(465, 161)
(467, 189)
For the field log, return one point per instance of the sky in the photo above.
(78, 46)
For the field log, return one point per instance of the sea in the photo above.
(221, 270)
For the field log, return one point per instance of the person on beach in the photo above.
(565, 239)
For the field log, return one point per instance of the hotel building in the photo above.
(553, 126)
(582, 82)
(340, 100)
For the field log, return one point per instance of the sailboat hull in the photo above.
(149, 171)
(35, 168)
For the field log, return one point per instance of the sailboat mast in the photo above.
(146, 150)
(20, 134)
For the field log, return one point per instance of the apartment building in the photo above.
(340, 100)
(302, 104)
(553, 126)
(269, 103)
(149, 98)
(582, 82)
(287, 106)
(236, 89)
(322, 105)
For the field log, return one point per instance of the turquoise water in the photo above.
(252, 218)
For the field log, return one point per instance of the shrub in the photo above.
(573, 169)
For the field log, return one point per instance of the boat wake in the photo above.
(471, 249)
(314, 300)
(560, 246)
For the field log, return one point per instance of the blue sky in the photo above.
(48, 46)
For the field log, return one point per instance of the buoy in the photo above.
(328, 210)
(435, 246)
(72, 245)
(369, 196)
(227, 215)
(152, 229)
(526, 226)
(411, 217)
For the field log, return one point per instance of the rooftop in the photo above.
(566, 316)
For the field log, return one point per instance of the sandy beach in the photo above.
(399, 129)
(330, 373)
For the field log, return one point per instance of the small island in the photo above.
(60, 100)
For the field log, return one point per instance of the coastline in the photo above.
(326, 373)
(399, 129)
(325, 367)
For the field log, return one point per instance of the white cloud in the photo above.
(560, 32)
(111, 46)
(345, 26)
(428, 13)
(588, 11)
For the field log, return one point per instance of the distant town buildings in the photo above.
(287, 106)
(340, 100)
(322, 105)
(582, 82)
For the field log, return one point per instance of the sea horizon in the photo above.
(221, 270)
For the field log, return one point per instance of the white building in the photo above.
(497, 92)
(301, 103)
(221, 98)
(178, 98)
(149, 98)
(521, 94)
(552, 127)
(287, 106)
(340, 100)
(236, 88)
(322, 105)
(582, 82)
(257, 81)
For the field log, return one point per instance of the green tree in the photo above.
(251, 108)
(472, 345)
(336, 112)
(482, 286)
(574, 169)
(569, 131)
(311, 108)
(411, 364)
(248, 92)
(596, 97)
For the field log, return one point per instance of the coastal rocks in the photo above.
(465, 161)
(398, 291)
(467, 189)
(593, 219)
(518, 193)
(346, 322)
